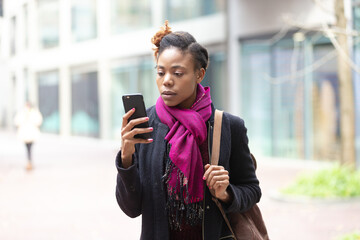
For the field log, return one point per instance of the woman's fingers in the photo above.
(219, 181)
(212, 169)
(217, 178)
(131, 124)
(130, 134)
(128, 125)
(140, 140)
(128, 146)
(126, 117)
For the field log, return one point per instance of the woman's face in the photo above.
(177, 79)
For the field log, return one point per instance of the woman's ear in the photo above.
(200, 74)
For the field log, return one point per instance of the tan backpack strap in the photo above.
(216, 137)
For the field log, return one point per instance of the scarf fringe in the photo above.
(180, 208)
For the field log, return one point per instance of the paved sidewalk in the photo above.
(71, 195)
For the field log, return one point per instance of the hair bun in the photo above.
(156, 39)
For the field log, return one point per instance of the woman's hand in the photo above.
(127, 137)
(217, 180)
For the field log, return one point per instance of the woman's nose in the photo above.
(167, 80)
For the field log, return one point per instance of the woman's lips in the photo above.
(168, 94)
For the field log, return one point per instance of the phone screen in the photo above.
(136, 101)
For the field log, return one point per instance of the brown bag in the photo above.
(243, 226)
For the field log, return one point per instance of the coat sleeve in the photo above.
(128, 187)
(244, 184)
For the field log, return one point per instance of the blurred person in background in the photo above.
(168, 179)
(28, 121)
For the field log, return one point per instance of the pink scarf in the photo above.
(187, 131)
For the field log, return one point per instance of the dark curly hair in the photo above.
(184, 41)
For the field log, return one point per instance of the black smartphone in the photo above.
(136, 101)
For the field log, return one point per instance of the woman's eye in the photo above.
(160, 74)
(179, 74)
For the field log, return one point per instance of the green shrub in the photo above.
(350, 236)
(336, 181)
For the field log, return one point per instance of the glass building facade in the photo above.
(13, 36)
(83, 20)
(177, 10)
(128, 15)
(134, 74)
(48, 22)
(25, 24)
(290, 97)
(84, 102)
(48, 89)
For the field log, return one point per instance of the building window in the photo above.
(215, 78)
(177, 10)
(85, 102)
(290, 113)
(83, 20)
(135, 77)
(48, 16)
(256, 94)
(13, 36)
(14, 91)
(356, 14)
(25, 23)
(1, 8)
(127, 15)
(26, 84)
(48, 83)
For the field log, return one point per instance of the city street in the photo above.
(70, 194)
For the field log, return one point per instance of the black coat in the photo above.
(140, 191)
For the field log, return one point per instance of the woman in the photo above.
(168, 179)
(28, 121)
